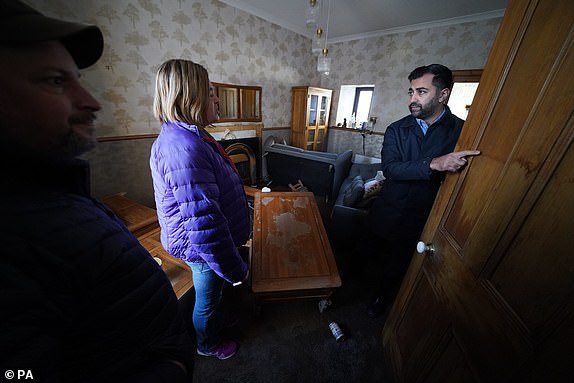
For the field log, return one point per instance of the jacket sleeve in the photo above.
(205, 228)
(25, 313)
(395, 149)
(104, 313)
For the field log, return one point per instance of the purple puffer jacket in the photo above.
(200, 201)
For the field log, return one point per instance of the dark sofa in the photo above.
(320, 172)
(350, 207)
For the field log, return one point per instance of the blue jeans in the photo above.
(206, 317)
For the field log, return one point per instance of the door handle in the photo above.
(424, 248)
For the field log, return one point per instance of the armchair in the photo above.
(350, 208)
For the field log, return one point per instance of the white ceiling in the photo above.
(355, 19)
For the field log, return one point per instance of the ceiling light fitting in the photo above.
(312, 14)
(317, 44)
(323, 61)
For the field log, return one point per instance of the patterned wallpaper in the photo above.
(237, 47)
(234, 46)
(386, 61)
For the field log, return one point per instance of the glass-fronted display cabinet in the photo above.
(310, 117)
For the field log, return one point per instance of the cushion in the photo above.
(354, 192)
(366, 203)
(373, 186)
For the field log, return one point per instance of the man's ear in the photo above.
(444, 95)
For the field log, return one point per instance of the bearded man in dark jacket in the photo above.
(81, 300)
(417, 153)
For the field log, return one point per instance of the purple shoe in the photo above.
(225, 349)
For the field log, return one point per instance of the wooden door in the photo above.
(495, 302)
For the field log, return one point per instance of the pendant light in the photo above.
(312, 14)
(324, 61)
(317, 44)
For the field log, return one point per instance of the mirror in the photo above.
(228, 105)
(250, 103)
(238, 102)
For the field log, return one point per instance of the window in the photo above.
(461, 98)
(362, 104)
(354, 100)
(465, 86)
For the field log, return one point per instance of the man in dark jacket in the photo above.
(417, 152)
(81, 300)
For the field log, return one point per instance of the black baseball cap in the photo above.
(21, 24)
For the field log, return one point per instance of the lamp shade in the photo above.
(324, 63)
(312, 14)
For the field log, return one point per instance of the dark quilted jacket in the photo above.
(200, 201)
(81, 300)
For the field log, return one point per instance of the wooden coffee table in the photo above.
(291, 257)
(142, 222)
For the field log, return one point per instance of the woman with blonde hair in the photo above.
(200, 200)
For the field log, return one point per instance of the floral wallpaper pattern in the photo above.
(386, 61)
(234, 46)
(240, 48)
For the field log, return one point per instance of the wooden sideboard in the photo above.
(142, 222)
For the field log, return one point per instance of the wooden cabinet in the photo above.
(310, 117)
(238, 102)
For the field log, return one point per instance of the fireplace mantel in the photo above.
(219, 131)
